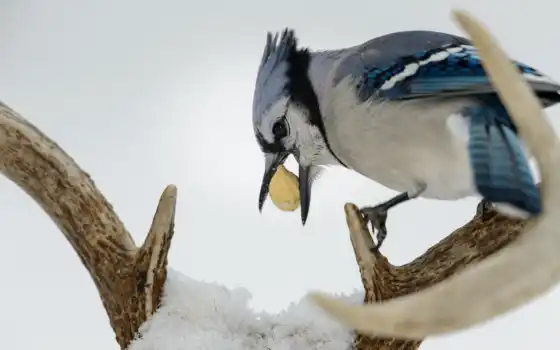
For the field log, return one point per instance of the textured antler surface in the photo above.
(485, 234)
(129, 280)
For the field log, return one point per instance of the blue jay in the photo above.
(414, 111)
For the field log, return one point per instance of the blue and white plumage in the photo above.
(413, 111)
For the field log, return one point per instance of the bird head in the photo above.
(286, 116)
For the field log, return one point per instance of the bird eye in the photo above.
(280, 129)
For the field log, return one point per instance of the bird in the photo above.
(414, 111)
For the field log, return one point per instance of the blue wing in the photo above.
(449, 70)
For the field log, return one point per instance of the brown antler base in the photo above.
(485, 234)
(129, 279)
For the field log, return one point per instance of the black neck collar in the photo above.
(301, 91)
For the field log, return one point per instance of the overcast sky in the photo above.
(147, 93)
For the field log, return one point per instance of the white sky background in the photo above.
(144, 93)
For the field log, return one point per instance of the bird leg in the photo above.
(377, 215)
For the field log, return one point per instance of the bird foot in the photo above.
(377, 217)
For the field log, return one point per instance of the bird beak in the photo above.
(306, 175)
(305, 179)
(272, 162)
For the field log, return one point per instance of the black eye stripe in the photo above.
(270, 147)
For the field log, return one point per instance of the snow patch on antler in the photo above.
(199, 315)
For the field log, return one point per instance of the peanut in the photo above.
(284, 190)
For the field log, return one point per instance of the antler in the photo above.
(509, 278)
(485, 234)
(129, 279)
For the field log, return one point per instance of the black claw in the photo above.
(377, 217)
(483, 208)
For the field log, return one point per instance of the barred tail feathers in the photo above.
(501, 170)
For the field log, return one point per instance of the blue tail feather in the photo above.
(501, 169)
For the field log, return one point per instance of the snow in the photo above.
(198, 315)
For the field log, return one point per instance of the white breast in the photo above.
(400, 144)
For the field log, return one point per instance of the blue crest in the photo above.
(272, 74)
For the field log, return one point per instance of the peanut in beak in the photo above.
(284, 190)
